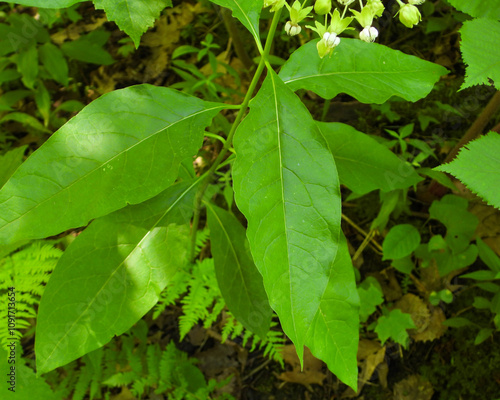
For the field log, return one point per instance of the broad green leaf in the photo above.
(111, 275)
(478, 8)
(477, 166)
(483, 334)
(25, 119)
(334, 333)
(239, 280)
(123, 148)
(48, 3)
(370, 72)
(247, 11)
(27, 384)
(133, 17)
(286, 185)
(401, 241)
(54, 62)
(363, 164)
(370, 296)
(394, 326)
(480, 52)
(9, 162)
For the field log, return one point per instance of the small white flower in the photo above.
(345, 2)
(369, 34)
(331, 39)
(416, 2)
(292, 29)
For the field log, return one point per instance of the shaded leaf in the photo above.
(112, 275)
(370, 72)
(394, 326)
(286, 185)
(54, 62)
(9, 162)
(401, 241)
(133, 17)
(123, 148)
(247, 11)
(370, 296)
(48, 3)
(239, 280)
(477, 166)
(363, 164)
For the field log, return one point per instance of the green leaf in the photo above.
(457, 322)
(488, 256)
(9, 162)
(27, 65)
(404, 265)
(54, 62)
(370, 72)
(370, 296)
(394, 326)
(483, 334)
(134, 17)
(334, 333)
(48, 3)
(401, 241)
(26, 120)
(477, 166)
(123, 148)
(286, 185)
(480, 52)
(478, 8)
(26, 384)
(480, 275)
(363, 164)
(247, 11)
(239, 280)
(111, 275)
(88, 49)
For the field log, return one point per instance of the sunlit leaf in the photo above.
(123, 148)
(111, 275)
(286, 185)
(478, 8)
(370, 72)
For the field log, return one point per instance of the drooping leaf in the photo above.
(394, 326)
(286, 185)
(123, 148)
(111, 275)
(370, 72)
(478, 8)
(488, 256)
(364, 164)
(27, 65)
(48, 3)
(334, 333)
(477, 166)
(89, 48)
(247, 11)
(401, 241)
(480, 52)
(239, 280)
(133, 17)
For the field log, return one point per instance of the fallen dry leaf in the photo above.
(312, 372)
(415, 306)
(389, 283)
(435, 328)
(413, 388)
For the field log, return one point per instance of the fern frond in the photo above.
(176, 287)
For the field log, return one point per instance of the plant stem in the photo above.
(260, 68)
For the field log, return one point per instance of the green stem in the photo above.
(243, 108)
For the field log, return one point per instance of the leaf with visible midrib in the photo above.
(111, 275)
(247, 11)
(133, 17)
(370, 72)
(478, 8)
(48, 3)
(123, 148)
(286, 185)
(239, 280)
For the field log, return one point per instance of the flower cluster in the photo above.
(335, 22)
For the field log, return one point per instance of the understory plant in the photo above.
(123, 169)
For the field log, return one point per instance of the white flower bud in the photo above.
(331, 39)
(345, 2)
(292, 29)
(416, 2)
(369, 34)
